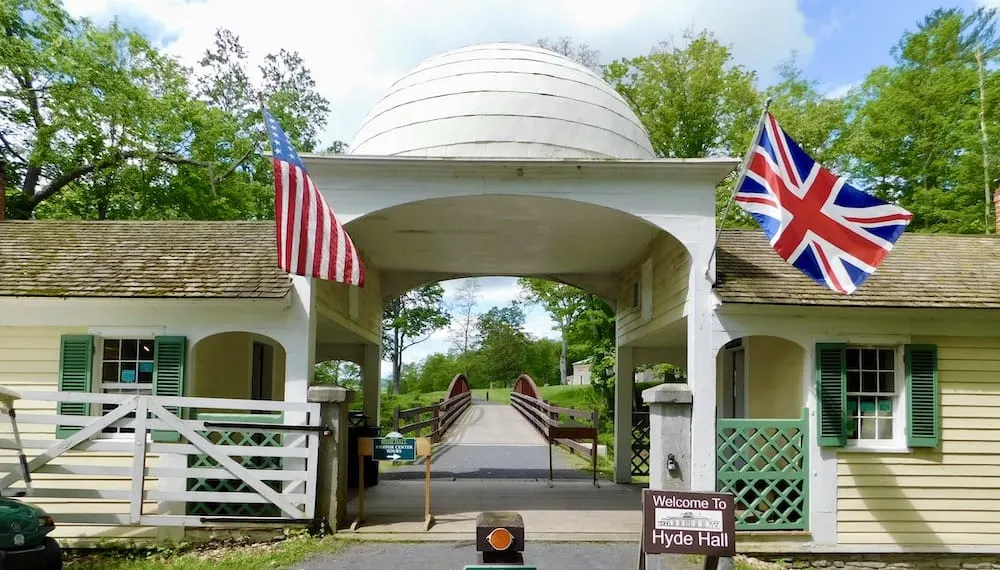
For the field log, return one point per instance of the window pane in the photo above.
(128, 374)
(146, 349)
(867, 406)
(886, 382)
(852, 407)
(886, 360)
(884, 407)
(145, 372)
(869, 360)
(110, 349)
(130, 349)
(867, 428)
(109, 372)
(853, 361)
(854, 381)
(852, 429)
(869, 381)
(884, 428)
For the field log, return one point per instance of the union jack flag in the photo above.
(830, 230)
(311, 242)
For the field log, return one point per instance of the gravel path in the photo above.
(448, 556)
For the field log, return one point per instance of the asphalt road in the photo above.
(447, 556)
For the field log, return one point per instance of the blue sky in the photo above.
(357, 49)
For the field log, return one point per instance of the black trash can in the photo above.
(359, 428)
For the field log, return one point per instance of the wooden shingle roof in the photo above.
(922, 271)
(231, 259)
(140, 259)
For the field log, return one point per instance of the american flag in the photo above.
(830, 230)
(311, 242)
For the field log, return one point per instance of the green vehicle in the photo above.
(24, 528)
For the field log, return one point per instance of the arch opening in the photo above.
(238, 365)
(561, 239)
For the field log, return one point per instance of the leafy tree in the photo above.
(504, 343)
(562, 302)
(411, 319)
(80, 104)
(915, 135)
(542, 361)
(463, 336)
(580, 53)
(338, 372)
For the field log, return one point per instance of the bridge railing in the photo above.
(545, 417)
(439, 416)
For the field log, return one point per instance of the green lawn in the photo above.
(221, 556)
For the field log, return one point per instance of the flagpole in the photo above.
(739, 181)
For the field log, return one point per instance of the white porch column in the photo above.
(701, 380)
(370, 382)
(624, 382)
(300, 343)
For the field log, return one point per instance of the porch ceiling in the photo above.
(501, 235)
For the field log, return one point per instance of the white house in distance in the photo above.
(581, 374)
(873, 420)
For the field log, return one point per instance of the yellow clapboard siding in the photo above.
(950, 459)
(669, 288)
(963, 354)
(891, 516)
(917, 538)
(920, 527)
(905, 494)
(28, 354)
(948, 496)
(923, 505)
(103, 532)
(938, 481)
(31, 367)
(963, 365)
(925, 470)
(951, 398)
(961, 342)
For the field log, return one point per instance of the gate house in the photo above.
(861, 423)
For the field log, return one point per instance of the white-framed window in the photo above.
(875, 396)
(125, 366)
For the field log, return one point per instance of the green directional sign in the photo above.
(394, 448)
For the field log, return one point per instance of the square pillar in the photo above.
(669, 436)
(624, 385)
(331, 478)
(371, 382)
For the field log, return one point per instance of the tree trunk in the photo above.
(397, 362)
(562, 361)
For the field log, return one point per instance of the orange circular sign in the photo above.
(500, 539)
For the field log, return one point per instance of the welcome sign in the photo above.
(688, 523)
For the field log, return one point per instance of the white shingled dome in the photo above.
(506, 101)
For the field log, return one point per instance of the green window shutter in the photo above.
(832, 391)
(76, 361)
(923, 402)
(168, 376)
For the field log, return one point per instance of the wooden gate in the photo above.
(156, 468)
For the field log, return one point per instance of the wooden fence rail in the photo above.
(439, 416)
(545, 418)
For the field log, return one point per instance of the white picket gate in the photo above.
(257, 459)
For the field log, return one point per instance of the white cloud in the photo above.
(841, 90)
(357, 49)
